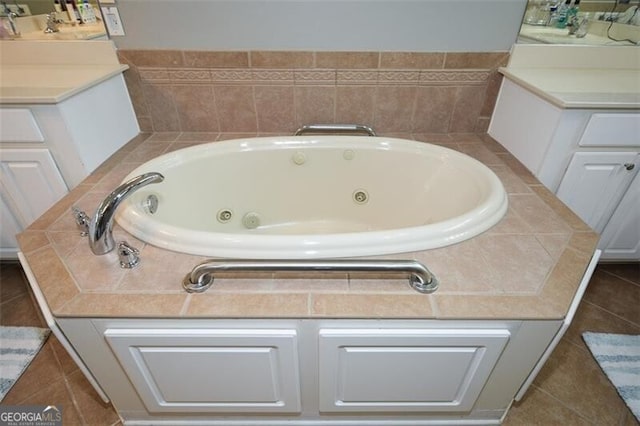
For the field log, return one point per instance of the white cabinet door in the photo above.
(9, 227)
(30, 183)
(211, 370)
(32, 180)
(620, 239)
(405, 370)
(595, 182)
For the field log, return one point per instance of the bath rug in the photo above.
(619, 357)
(18, 347)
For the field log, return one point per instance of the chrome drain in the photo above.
(224, 215)
(360, 196)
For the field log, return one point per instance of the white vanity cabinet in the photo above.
(30, 183)
(48, 149)
(587, 157)
(305, 372)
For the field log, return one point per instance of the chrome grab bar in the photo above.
(201, 277)
(333, 128)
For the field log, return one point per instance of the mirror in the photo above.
(586, 22)
(30, 20)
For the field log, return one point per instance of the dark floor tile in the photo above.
(627, 271)
(614, 294)
(20, 311)
(571, 375)
(538, 408)
(12, 283)
(92, 409)
(43, 370)
(590, 317)
(57, 394)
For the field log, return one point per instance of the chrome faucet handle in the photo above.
(82, 220)
(129, 256)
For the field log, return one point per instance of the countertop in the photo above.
(48, 72)
(527, 266)
(579, 87)
(578, 76)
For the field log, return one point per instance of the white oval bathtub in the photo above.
(313, 197)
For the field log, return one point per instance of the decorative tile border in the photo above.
(454, 77)
(313, 76)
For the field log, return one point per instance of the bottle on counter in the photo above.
(563, 13)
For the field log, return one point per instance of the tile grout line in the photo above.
(637, 284)
(611, 313)
(561, 402)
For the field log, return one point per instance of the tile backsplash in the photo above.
(277, 92)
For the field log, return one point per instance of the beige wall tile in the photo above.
(348, 60)
(275, 108)
(355, 104)
(134, 86)
(188, 137)
(153, 58)
(267, 59)
(314, 104)
(209, 59)
(434, 106)
(469, 102)
(161, 106)
(462, 60)
(394, 109)
(237, 106)
(196, 108)
(411, 60)
(493, 87)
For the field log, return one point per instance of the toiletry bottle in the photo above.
(90, 14)
(56, 6)
(563, 11)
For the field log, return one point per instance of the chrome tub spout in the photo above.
(101, 225)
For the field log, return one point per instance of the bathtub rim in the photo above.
(305, 246)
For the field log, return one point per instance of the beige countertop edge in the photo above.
(54, 95)
(569, 102)
(66, 298)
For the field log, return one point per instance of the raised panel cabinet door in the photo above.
(620, 239)
(405, 370)
(595, 182)
(32, 181)
(211, 370)
(9, 227)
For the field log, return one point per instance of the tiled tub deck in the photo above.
(526, 267)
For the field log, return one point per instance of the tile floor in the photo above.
(570, 390)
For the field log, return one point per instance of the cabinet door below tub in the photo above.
(211, 370)
(406, 370)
